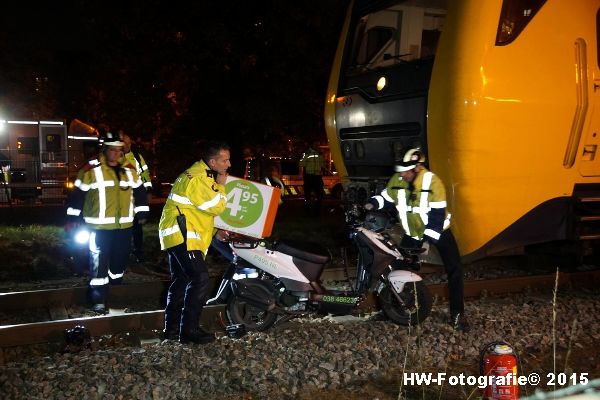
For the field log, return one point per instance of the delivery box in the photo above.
(251, 208)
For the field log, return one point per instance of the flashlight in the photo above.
(82, 236)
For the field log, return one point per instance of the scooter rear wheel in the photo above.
(415, 307)
(253, 318)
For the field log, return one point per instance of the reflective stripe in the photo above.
(141, 209)
(437, 204)
(124, 220)
(101, 197)
(193, 235)
(423, 203)
(447, 221)
(114, 276)
(431, 233)
(386, 196)
(402, 209)
(168, 231)
(99, 221)
(144, 167)
(147, 184)
(104, 184)
(82, 186)
(99, 281)
(211, 203)
(174, 229)
(179, 199)
(73, 211)
(380, 201)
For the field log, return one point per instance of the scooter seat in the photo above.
(311, 252)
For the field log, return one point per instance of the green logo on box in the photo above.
(244, 204)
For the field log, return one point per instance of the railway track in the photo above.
(152, 321)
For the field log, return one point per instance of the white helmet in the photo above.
(411, 158)
(110, 139)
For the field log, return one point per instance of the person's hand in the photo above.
(222, 235)
(368, 207)
(221, 178)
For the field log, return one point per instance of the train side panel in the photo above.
(503, 119)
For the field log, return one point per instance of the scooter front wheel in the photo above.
(252, 317)
(414, 307)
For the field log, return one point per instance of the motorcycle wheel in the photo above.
(417, 303)
(253, 318)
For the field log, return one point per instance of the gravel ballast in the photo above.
(319, 357)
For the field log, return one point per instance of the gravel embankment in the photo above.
(318, 358)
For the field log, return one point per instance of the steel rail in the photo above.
(51, 331)
(145, 321)
(47, 298)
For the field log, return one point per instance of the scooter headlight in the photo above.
(82, 236)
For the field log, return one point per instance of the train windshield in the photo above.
(397, 33)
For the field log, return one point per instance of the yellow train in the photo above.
(504, 97)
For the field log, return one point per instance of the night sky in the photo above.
(176, 73)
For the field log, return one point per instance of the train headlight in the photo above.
(381, 83)
(82, 236)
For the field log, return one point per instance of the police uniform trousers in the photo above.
(313, 184)
(109, 252)
(138, 238)
(188, 290)
(448, 250)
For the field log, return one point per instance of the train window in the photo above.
(53, 143)
(514, 17)
(375, 34)
(28, 145)
(400, 33)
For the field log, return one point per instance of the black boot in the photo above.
(170, 334)
(172, 322)
(198, 336)
(459, 322)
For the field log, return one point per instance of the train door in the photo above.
(53, 159)
(590, 149)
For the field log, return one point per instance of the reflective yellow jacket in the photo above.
(313, 162)
(200, 199)
(421, 206)
(141, 168)
(107, 197)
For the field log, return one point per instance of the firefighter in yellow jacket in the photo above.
(419, 197)
(186, 229)
(108, 195)
(135, 158)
